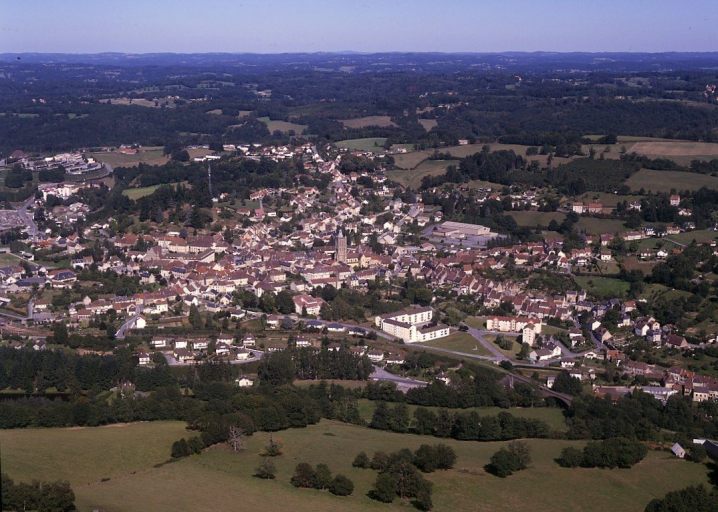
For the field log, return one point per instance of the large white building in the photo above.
(411, 325)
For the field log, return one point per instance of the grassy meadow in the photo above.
(665, 181)
(127, 458)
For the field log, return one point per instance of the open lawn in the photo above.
(140, 192)
(149, 155)
(364, 122)
(603, 287)
(7, 258)
(411, 178)
(374, 144)
(700, 236)
(220, 480)
(459, 342)
(283, 126)
(597, 226)
(534, 218)
(665, 181)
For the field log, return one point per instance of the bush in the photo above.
(379, 461)
(304, 476)
(322, 477)
(341, 486)
(273, 449)
(506, 461)
(690, 499)
(361, 461)
(384, 488)
(266, 470)
(430, 458)
(570, 457)
(613, 453)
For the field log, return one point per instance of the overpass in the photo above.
(544, 391)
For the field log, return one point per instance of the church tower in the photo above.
(340, 247)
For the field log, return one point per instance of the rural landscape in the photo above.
(253, 270)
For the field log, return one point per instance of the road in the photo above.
(257, 355)
(402, 383)
(126, 326)
(30, 226)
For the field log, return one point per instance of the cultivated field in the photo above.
(665, 181)
(148, 155)
(411, 178)
(220, 480)
(375, 144)
(283, 126)
(364, 122)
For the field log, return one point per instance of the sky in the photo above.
(274, 26)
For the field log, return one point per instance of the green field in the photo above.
(140, 192)
(533, 219)
(604, 287)
(375, 144)
(700, 236)
(220, 480)
(7, 258)
(459, 342)
(411, 178)
(283, 126)
(597, 226)
(151, 156)
(665, 181)
(364, 122)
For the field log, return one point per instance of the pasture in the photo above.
(374, 144)
(534, 218)
(665, 181)
(603, 287)
(681, 152)
(283, 126)
(365, 122)
(428, 124)
(127, 458)
(411, 178)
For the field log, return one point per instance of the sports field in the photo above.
(220, 480)
(148, 155)
(665, 181)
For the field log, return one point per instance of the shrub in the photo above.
(361, 461)
(570, 457)
(379, 461)
(304, 476)
(384, 488)
(506, 461)
(322, 477)
(266, 470)
(341, 486)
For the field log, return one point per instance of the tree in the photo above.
(424, 458)
(570, 457)
(361, 461)
(266, 470)
(384, 488)
(284, 302)
(515, 457)
(59, 333)
(273, 449)
(445, 456)
(341, 486)
(195, 319)
(304, 476)
(564, 383)
(690, 499)
(322, 476)
(180, 449)
(379, 461)
(236, 438)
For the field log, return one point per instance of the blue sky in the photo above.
(268, 26)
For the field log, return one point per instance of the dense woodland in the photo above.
(469, 96)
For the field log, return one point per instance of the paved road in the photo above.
(30, 226)
(402, 383)
(478, 335)
(258, 354)
(126, 326)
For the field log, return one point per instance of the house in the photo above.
(549, 351)
(243, 354)
(249, 341)
(336, 327)
(144, 358)
(675, 200)
(183, 355)
(375, 356)
(675, 341)
(244, 382)
(305, 304)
